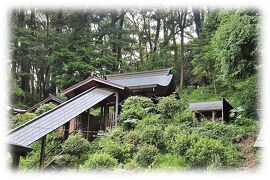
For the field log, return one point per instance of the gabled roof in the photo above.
(205, 106)
(33, 130)
(90, 79)
(51, 98)
(144, 79)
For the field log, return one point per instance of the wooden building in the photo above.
(215, 110)
(92, 93)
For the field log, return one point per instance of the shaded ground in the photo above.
(250, 158)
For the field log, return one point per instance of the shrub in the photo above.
(169, 136)
(129, 124)
(99, 161)
(210, 153)
(153, 135)
(146, 155)
(116, 150)
(67, 161)
(218, 130)
(132, 165)
(75, 145)
(169, 161)
(184, 117)
(184, 142)
(135, 107)
(44, 108)
(133, 137)
(168, 106)
(137, 101)
(149, 120)
(20, 119)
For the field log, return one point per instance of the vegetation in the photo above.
(213, 52)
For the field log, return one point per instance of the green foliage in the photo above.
(117, 151)
(184, 142)
(169, 161)
(75, 145)
(100, 161)
(146, 155)
(20, 119)
(168, 106)
(212, 154)
(184, 118)
(67, 161)
(219, 130)
(133, 137)
(153, 135)
(44, 108)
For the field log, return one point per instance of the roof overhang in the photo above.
(19, 149)
(92, 82)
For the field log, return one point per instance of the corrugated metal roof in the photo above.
(97, 79)
(49, 121)
(157, 72)
(137, 81)
(204, 106)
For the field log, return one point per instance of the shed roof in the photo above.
(206, 106)
(47, 122)
(144, 79)
(51, 98)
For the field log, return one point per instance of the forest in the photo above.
(214, 53)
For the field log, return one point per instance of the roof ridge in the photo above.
(140, 72)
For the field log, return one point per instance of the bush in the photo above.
(20, 119)
(146, 155)
(67, 161)
(133, 137)
(117, 151)
(44, 108)
(135, 107)
(132, 165)
(75, 145)
(184, 142)
(219, 130)
(169, 136)
(209, 153)
(153, 135)
(168, 106)
(169, 161)
(99, 161)
(149, 120)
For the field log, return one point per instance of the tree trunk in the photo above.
(157, 32)
(197, 20)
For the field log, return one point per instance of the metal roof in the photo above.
(48, 99)
(161, 77)
(49, 121)
(205, 106)
(139, 74)
(97, 79)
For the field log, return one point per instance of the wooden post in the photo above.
(116, 107)
(213, 116)
(15, 161)
(42, 152)
(106, 116)
(66, 130)
(101, 117)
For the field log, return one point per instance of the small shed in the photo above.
(213, 110)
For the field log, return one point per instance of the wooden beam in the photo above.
(213, 116)
(66, 130)
(116, 107)
(15, 161)
(42, 152)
